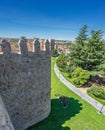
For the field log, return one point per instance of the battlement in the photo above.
(37, 47)
(25, 80)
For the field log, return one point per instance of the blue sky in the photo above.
(58, 19)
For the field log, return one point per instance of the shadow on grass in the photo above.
(59, 115)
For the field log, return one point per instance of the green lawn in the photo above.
(78, 116)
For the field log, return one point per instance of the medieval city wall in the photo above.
(25, 83)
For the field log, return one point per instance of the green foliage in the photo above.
(23, 37)
(88, 53)
(101, 67)
(61, 61)
(97, 92)
(96, 35)
(80, 77)
(69, 69)
(55, 53)
(82, 35)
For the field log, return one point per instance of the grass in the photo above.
(98, 99)
(78, 116)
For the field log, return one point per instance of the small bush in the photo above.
(97, 92)
(80, 77)
(61, 61)
(56, 54)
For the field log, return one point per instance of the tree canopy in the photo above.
(88, 52)
(82, 35)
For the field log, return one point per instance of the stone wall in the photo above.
(5, 123)
(25, 83)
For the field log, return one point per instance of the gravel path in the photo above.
(84, 96)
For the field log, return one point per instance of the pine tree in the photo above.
(82, 35)
(77, 50)
(95, 50)
(90, 54)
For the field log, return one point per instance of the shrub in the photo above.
(80, 77)
(56, 54)
(97, 92)
(61, 61)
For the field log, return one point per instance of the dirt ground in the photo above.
(84, 90)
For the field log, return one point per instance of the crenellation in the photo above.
(36, 46)
(5, 47)
(23, 47)
(47, 45)
(52, 46)
(40, 48)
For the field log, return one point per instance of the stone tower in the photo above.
(25, 79)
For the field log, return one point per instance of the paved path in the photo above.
(84, 96)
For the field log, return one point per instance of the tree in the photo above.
(95, 50)
(90, 54)
(61, 61)
(22, 37)
(76, 50)
(56, 52)
(80, 76)
(82, 35)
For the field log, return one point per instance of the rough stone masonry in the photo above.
(25, 84)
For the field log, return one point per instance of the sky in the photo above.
(56, 19)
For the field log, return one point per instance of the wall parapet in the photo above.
(23, 47)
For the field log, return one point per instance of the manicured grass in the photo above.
(98, 99)
(66, 75)
(78, 116)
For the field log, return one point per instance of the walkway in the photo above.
(84, 96)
